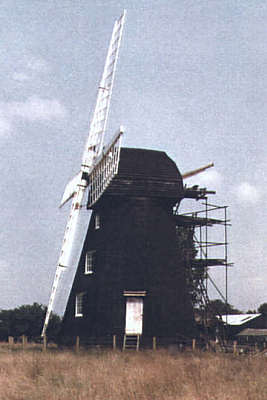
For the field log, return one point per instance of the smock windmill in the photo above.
(99, 164)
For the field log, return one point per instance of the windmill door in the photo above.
(134, 316)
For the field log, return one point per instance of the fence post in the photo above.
(44, 343)
(10, 342)
(114, 343)
(235, 347)
(24, 342)
(194, 344)
(154, 343)
(77, 345)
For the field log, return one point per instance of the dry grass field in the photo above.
(148, 375)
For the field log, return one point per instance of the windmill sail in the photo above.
(95, 140)
(94, 144)
(92, 155)
(69, 190)
(105, 169)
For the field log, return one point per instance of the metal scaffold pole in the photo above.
(201, 264)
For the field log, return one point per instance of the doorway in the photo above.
(134, 316)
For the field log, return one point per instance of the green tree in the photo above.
(27, 320)
(220, 307)
(263, 309)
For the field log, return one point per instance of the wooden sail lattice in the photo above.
(104, 170)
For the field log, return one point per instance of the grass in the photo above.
(148, 375)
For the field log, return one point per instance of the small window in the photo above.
(79, 304)
(89, 262)
(97, 221)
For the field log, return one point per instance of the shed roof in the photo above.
(238, 319)
(253, 332)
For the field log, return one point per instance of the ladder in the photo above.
(131, 342)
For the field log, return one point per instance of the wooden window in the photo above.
(97, 221)
(79, 304)
(89, 262)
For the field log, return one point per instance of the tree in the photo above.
(221, 308)
(251, 312)
(27, 320)
(263, 309)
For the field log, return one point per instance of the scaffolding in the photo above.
(198, 253)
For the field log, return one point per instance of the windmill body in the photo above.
(131, 277)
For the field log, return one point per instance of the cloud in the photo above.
(5, 126)
(32, 109)
(36, 108)
(209, 178)
(20, 76)
(37, 64)
(31, 68)
(247, 193)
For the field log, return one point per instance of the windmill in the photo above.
(130, 279)
(98, 166)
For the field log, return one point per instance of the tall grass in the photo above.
(147, 375)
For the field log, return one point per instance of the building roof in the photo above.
(238, 319)
(253, 332)
(148, 173)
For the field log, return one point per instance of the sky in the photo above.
(191, 80)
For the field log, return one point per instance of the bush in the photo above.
(27, 320)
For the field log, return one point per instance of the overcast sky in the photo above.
(191, 81)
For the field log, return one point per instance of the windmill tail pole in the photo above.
(197, 171)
